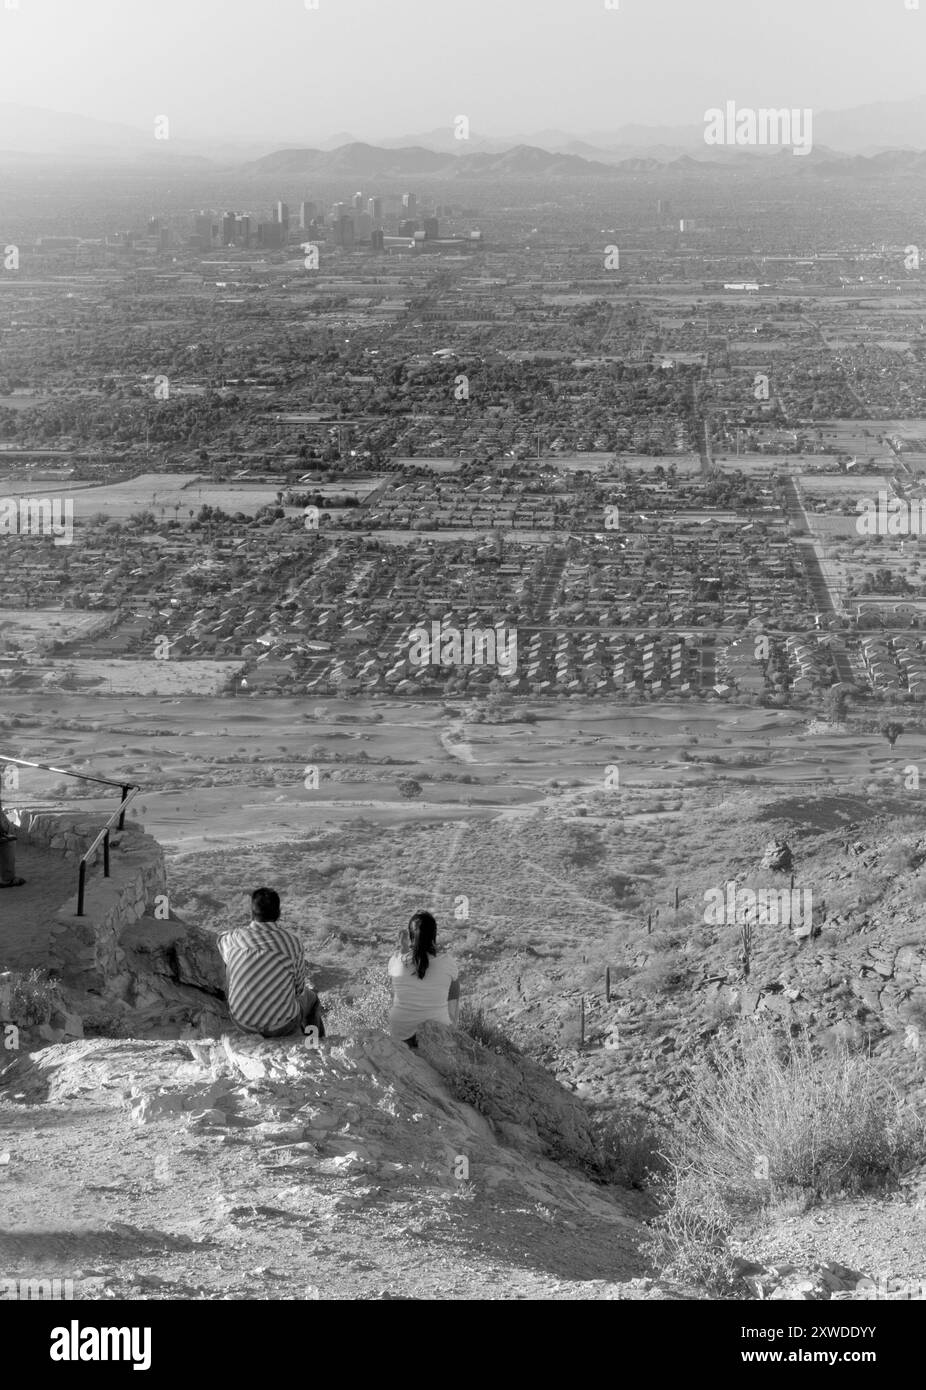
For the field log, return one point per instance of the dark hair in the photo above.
(423, 932)
(265, 905)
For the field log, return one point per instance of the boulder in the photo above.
(778, 857)
(175, 951)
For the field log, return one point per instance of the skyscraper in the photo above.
(205, 230)
(358, 202)
(375, 209)
(410, 203)
(344, 231)
(282, 215)
(363, 226)
(309, 213)
(271, 235)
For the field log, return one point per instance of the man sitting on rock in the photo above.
(265, 974)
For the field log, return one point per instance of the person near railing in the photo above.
(266, 985)
(8, 877)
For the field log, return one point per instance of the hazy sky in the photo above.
(259, 68)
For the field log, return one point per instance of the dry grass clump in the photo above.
(769, 1122)
(366, 1007)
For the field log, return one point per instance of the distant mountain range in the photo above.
(374, 161)
(881, 139)
(359, 160)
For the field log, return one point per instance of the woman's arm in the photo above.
(453, 1001)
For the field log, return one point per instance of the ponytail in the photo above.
(423, 933)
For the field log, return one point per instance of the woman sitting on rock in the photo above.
(425, 982)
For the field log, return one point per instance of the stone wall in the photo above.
(85, 950)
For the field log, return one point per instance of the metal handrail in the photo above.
(124, 787)
(104, 836)
(129, 791)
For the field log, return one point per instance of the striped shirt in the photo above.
(265, 972)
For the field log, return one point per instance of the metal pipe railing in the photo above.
(89, 853)
(129, 791)
(124, 787)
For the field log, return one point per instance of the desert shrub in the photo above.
(614, 887)
(367, 1006)
(469, 1085)
(30, 997)
(662, 974)
(900, 857)
(823, 1125)
(485, 1031)
(689, 1241)
(868, 890)
(627, 1148)
(770, 1121)
(664, 939)
(721, 1008)
(583, 848)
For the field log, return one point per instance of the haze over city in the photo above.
(462, 670)
(235, 72)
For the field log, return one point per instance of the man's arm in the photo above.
(300, 970)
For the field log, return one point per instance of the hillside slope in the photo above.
(234, 1168)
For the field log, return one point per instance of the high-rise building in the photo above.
(431, 228)
(375, 209)
(663, 207)
(229, 229)
(358, 202)
(309, 213)
(344, 231)
(282, 214)
(363, 226)
(376, 240)
(408, 228)
(205, 230)
(410, 203)
(244, 230)
(271, 235)
(338, 210)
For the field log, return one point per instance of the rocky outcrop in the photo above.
(524, 1102)
(174, 951)
(360, 1106)
(823, 1282)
